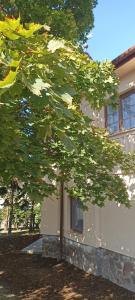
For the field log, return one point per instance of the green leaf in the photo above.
(15, 63)
(9, 26)
(10, 35)
(67, 142)
(9, 80)
(12, 23)
(31, 29)
(12, 29)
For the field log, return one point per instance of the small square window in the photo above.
(76, 215)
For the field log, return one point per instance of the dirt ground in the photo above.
(32, 277)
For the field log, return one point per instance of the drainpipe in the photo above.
(61, 218)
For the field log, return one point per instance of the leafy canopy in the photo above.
(71, 19)
(45, 137)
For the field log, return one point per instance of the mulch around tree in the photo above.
(32, 277)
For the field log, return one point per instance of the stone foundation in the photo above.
(118, 268)
(81, 256)
(111, 265)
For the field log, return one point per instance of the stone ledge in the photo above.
(111, 265)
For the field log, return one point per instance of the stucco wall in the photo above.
(127, 77)
(118, 229)
(50, 216)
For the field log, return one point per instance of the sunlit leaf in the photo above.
(29, 32)
(9, 80)
(12, 23)
(67, 98)
(38, 86)
(54, 44)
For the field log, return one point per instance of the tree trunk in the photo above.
(61, 218)
(32, 218)
(11, 210)
(6, 221)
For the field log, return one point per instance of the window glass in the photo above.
(128, 111)
(112, 119)
(76, 215)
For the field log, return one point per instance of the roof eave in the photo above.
(124, 57)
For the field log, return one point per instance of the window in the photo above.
(112, 119)
(128, 111)
(76, 215)
(122, 117)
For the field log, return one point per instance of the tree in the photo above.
(43, 81)
(10, 195)
(71, 19)
(18, 209)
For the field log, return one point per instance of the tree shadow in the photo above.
(32, 277)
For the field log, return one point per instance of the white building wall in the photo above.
(50, 216)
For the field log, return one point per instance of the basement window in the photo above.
(76, 215)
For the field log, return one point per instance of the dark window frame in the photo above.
(73, 228)
(120, 113)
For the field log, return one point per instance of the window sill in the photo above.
(122, 132)
(75, 231)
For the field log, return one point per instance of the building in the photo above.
(101, 240)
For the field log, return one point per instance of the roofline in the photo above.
(124, 57)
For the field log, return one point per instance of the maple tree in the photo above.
(71, 20)
(45, 137)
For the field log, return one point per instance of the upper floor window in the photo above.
(122, 117)
(76, 215)
(112, 119)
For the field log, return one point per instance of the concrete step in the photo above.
(34, 248)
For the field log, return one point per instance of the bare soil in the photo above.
(32, 277)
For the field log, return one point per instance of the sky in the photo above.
(114, 30)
